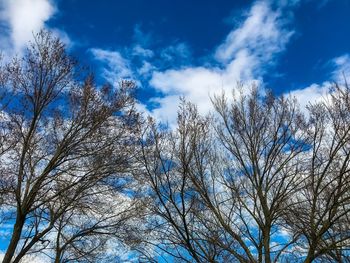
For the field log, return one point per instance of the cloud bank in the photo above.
(243, 56)
(21, 18)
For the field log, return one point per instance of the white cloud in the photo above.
(167, 110)
(138, 50)
(117, 67)
(180, 50)
(262, 34)
(146, 68)
(320, 92)
(198, 84)
(243, 56)
(342, 68)
(23, 18)
(311, 94)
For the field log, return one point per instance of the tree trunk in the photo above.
(266, 242)
(310, 255)
(16, 236)
(57, 257)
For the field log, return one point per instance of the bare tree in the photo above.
(256, 181)
(262, 138)
(70, 137)
(168, 157)
(221, 195)
(322, 206)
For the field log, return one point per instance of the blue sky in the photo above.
(194, 48)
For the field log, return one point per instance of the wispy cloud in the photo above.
(244, 55)
(178, 52)
(138, 61)
(138, 50)
(341, 66)
(262, 34)
(115, 66)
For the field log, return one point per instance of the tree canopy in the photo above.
(85, 177)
